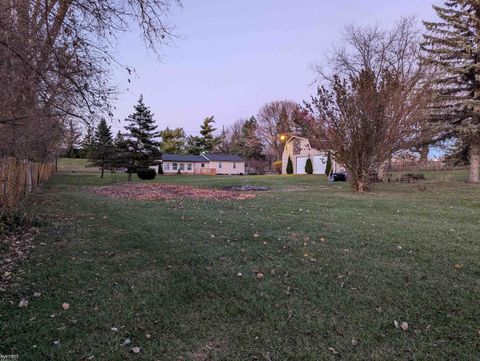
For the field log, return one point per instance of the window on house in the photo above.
(166, 166)
(174, 166)
(234, 165)
(189, 166)
(182, 166)
(219, 164)
(203, 165)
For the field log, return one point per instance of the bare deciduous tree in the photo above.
(56, 57)
(275, 119)
(373, 103)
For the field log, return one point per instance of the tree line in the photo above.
(382, 92)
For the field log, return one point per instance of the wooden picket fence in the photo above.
(19, 177)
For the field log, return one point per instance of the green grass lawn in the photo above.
(338, 269)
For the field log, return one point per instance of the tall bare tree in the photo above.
(56, 57)
(275, 119)
(373, 100)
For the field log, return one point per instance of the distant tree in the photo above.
(309, 166)
(141, 138)
(289, 166)
(207, 140)
(328, 166)
(88, 143)
(173, 141)
(122, 158)
(224, 144)
(275, 119)
(250, 144)
(453, 45)
(194, 145)
(103, 149)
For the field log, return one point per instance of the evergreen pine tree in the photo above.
(328, 166)
(173, 141)
(160, 168)
(88, 143)
(194, 145)
(122, 156)
(289, 166)
(453, 46)
(250, 145)
(142, 146)
(208, 140)
(102, 151)
(309, 166)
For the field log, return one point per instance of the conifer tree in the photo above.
(141, 138)
(194, 145)
(309, 166)
(121, 157)
(453, 46)
(289, 166)
(87, 143)
(102, 151)
(173, 141)
(208, 140)
(251, 144)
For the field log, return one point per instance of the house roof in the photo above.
(182, 158)
(217, 157)
(223, 157)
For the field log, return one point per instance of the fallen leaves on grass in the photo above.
(23, 303)
(13, 248)
(403, 325)
(154, 191)
(65, 306)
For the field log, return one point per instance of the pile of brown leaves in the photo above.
(153, 191)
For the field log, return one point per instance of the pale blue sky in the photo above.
(234, 56)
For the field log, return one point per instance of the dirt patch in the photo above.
(154, 191)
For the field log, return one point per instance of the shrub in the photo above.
(146, 173)
(277, 166)
(289, 166)
(328, 167)
(309, 166)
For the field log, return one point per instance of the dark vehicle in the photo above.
(338, 177)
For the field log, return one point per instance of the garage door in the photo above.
(319, 164)
(301, 161)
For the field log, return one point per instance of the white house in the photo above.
(208, 163)
(299, 150)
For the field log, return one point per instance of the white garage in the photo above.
(298, 150)
(301, 162)
(319, 164)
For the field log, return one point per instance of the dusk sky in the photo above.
(234, 56)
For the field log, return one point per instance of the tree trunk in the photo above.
(359, 184)
(101, 175)
(424, 154)
(129, 176)
(474, 161)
